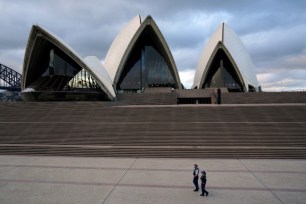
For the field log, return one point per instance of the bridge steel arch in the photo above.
(9, 78)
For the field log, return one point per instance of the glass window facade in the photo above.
(146, 66)
(60, 73)
(82, 81)
(59, 67)
(221, 73)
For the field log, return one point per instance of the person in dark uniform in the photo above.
(203, 183)
(196, 177)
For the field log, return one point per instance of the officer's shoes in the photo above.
(207, 193)
(201, 194)
(196, 189)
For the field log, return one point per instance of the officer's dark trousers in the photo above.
(195, 182)
(203, 188)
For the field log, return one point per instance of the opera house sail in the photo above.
(53, 71)
(225, 63)
(139, 58)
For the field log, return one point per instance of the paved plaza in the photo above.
(42, 179)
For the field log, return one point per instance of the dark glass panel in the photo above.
(146, 66)
(63, 74)
(156, 70)
(221, 73)
(60, 67)
(131, 75)
(144, 70)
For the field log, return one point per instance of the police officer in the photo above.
(196, 177)
(203, 183)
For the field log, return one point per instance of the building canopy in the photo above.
(139, 57)
(225, 63)
(51, 66)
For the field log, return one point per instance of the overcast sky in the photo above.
(273, 31)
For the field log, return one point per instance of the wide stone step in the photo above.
(102, 129)
(170, 151)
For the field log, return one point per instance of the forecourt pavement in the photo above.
(46, 179)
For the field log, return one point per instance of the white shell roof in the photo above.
(119, 46)
(124, 42)
(90, 64)
(206, 57)
(237, 51)
(100, 72)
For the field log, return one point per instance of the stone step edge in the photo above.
(151, 147)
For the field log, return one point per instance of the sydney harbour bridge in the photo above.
(10, 80)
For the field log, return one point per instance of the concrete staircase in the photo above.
(193, 131)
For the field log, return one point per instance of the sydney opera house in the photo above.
(138, 61)
(132, 103)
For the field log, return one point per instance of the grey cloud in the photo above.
(283, 80)
(13, 58)
(276, 43)
(190, 29)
